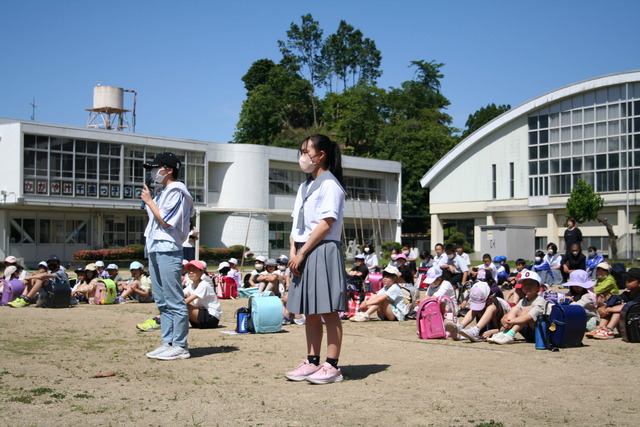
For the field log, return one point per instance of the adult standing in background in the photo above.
(572, 235)
(189, 245)
(169, 224)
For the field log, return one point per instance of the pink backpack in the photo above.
(430, 318)
(375, 279)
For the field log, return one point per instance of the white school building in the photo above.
(519, 169)
(67, 188)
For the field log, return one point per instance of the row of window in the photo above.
(85, 168)
(286, 182)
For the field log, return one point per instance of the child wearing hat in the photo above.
(138, 287)
(112, 270)
(269, 278)
(486, 308)
(581, 293)
(388, 303)
(34, 282)
(522, 318)
(102, 273)
(610, 314)
(200, 297)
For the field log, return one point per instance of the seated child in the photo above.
(581, 293)
(606, 285)
(592, 262)
(112, 270)
(437, 285)
(200, 297)
(34, 282)
(269, 278)
(388, 303)
(359, 269)
(510, 282)
(138, 287)
(486, 308)
(259, 268)
(522, 318)
(610, 313)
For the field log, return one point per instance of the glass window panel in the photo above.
(614, 127)
(601, 145)
(613, 178)
(601, 113)
(533, 168)
(577, 164)
(577, 147)
(42, 160)
(42, 142)
(577, 132)
(533, 153)
(67, 145)
(543, 121)
(543, 167)
(554, 150)
(589, 98)
(636, 158)
(45, 231)
(589, 131)
(29, 141)
(554, 166)
(55, 144)
(614, 93)
(81, 146)
(555, 184)
(29, 162)
(565, 134)
(554, 135)
(614, 144)
(544, 151)
(533, 138)
(623, 160)
(601, 181)
(533, 123)
(588, 115)
(623, 180)
(544, 136)
(565, 165)
(614, 161)
(554, 120)
(576, 117)
(601, 161)
(614, 111)
(92, 168)
(589, 163)
(565, 118)
(589, 147)
(601, 129)
(565, 149)
(565, 184)
(92, 147)
(589, 177)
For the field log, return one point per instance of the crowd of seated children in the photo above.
(581, 293)
(606, 285)
(523, 316)
(84, 287)
(486, 308)
(370, 258)
(389, 303)
(462, 254)
(10, 277)
(610, 312)
(411, 254)
(553, 276)
(34, 282)
(138, 287)
(437, 285)
(13, 261)
(486, 265)
(592, 261)
(502, 269)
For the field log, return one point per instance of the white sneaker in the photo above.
(360, 316)
(300, 321)
(154, 354)
(472, 333)
(453, 329)
(503, 338)
(173, 353)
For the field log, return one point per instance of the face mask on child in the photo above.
(306, 163)
(405, 252)
(592, 254)
(551, 252)
(259, 266)
(538, 259)
(367, 250)
(575, 253)
(157, 177)
(282, 267)
(394, 256)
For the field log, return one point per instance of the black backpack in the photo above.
(630, 322)
(56, 294)
(619, 272)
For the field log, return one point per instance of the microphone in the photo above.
(149, 182)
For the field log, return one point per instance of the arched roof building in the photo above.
(519, 168)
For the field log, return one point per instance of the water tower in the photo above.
(108, 112)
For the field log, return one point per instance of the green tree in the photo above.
(483, 116)
(304, 46)
(585, 205)
(258, 74)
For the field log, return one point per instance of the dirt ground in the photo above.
(49, 358)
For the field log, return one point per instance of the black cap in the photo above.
(53, 258)
(164, 159)
(79, 270)
(633, 273)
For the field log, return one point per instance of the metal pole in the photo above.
(246, 238)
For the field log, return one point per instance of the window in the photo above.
(279, 233)
(363, 188)
(493, 182)
(23, 230)
(511, 180)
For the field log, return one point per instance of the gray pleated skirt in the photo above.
(322, 286)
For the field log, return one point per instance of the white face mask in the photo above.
(306, 163)
(575, 253)
(157, 177)
(551, 252)
(405, 252)
(394, 256)
(282, 267)
(367, 250)
(450, 256)
(259, 266)
(538, 259)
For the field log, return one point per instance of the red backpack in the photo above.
(227, 288)
(430, 318)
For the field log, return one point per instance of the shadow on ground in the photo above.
(359, 372)
(207, 351)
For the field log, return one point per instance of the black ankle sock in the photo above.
(315, 360)
(332, 362)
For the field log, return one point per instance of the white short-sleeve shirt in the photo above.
(327, 201)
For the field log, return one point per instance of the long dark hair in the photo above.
(332, 150)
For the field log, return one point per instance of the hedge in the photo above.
(136, 252)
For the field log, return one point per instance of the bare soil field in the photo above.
(50, 357)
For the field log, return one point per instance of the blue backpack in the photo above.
(265, 314)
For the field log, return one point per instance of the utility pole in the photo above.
(33, 109)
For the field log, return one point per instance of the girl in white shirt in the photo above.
(200, 297)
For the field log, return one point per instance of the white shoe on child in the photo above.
(453, 329)
(472, 333)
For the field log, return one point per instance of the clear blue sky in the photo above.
(185, 58)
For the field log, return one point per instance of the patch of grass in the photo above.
(78, 408)
(489, 424)
(40, 391)
(21, 399)
(83, 396)
(58, 396)
(4, 373)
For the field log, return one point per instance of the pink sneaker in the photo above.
(302, 371)
(326, 374)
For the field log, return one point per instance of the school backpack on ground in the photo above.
(411, 296)
(11, 290)
(430, 318)
(373, 282)
(265, 314)
(227, 289)
(105, 292)
(567, 325)
(630, 322)
(619, 272)
(56, 294)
